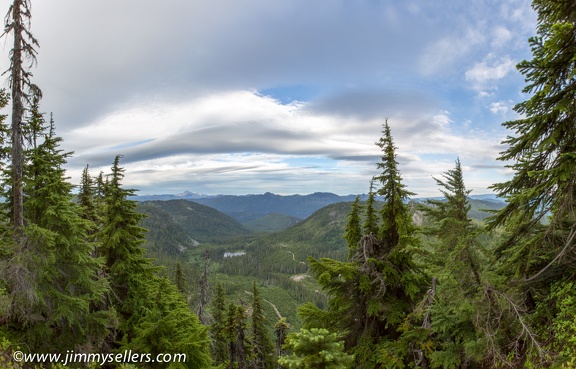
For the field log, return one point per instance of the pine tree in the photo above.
(543, 150)
(444, 329)
(180, 279)
(122, 238)
(166, 325)
(55, 309)
(121, 246)
(371, 221)
(540, 216)
(263, 347)
(353, 232)
(239, 348)
(218, 327)
(396, 217)
(281, 329)
(315, 349)
(372, 293)
(87, 202)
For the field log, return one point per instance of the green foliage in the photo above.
(166, 325)
(263, 348)
(239, 347)
(372, 293)
(353, 232)
(218, 335)
(121, 239)
(540, 218)
(315, 349)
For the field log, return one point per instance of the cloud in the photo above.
(199, 94)
(490, 70)
(501, 107)
(256, 140)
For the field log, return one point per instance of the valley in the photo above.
(248, 239)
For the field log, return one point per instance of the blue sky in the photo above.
(285, 96)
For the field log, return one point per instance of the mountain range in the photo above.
(250, 208)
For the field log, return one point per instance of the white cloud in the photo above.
(501, 107)
(501, 36)
(490, 70)
(198, 145)
(441, 55)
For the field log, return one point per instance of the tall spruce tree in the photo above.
(370, 222)
(239, 348)
(446, 328)
(218, 334)
(63, 275)
(263, 357)
(165, 324)
(372, 293)
(540, 217)
(121, 246)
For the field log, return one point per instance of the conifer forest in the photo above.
(384, 281)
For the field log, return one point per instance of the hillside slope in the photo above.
(186, 223)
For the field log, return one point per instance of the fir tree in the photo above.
(353, 232)
(121, 246)
(180, 279)
(315, 349)
(239, 348)
(540, 216)
(281, 329)
(218, 327)
(168, 326)
(87, 201)
(372, 293)
(371, 221)
(61, 270)
(263, 347)
(396, 218)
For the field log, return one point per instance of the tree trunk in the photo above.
(17, 116)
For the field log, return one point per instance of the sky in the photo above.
(284, 96)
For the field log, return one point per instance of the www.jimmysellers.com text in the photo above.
(71, 357)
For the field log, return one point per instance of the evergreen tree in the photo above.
(540, 216)
(371, 221)
(281, 329)
(397, 227)
(372, 293)
(87, 201)
(315, 349)
(263, 347)
(353, 232)
(121, 239)
(218, 334)
(168, 326)
(445, 329)
(180, 279)
(54, 307)
(239, 348)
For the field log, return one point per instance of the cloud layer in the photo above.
(286, 96)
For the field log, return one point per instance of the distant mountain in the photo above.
(186, 195)
(270, 212)
(271, 223)
(178, 224)
(251, 207)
